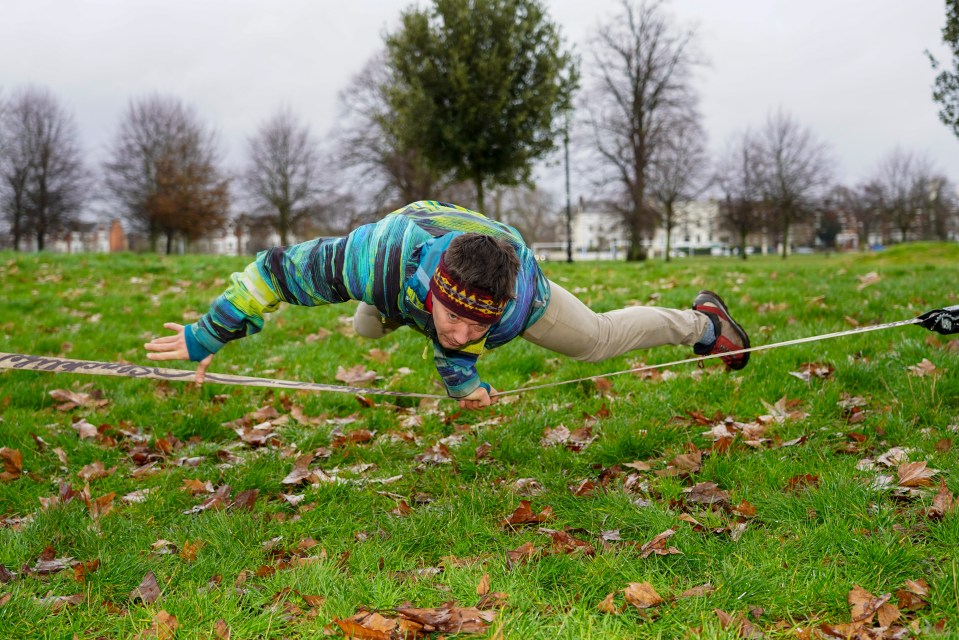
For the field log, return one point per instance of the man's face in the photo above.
(452, 330)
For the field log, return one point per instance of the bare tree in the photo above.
(739, 175)
(163, 172)
(917, 199)
(44, 183)
(678, 172)
(531, 211)
(641, 81)
(796, 169)
(369, 154)
(281, 176)
(862, 208)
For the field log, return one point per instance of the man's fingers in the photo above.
(201, 369)
(167, 355)
(172, 326)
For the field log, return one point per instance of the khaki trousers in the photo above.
(571, 328)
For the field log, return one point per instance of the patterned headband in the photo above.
(471, 303)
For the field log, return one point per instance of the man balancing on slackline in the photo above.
(466, 282)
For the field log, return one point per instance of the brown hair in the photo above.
(483, 262)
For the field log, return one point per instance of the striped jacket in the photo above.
(387, 264)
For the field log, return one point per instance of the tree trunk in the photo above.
(480, 195)
(742, 243)
(785, 237)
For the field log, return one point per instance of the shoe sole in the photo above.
(739, 330)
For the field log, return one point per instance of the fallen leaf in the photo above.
(554, 436)
(915, 474)
(483, 587)
(356, 376)
(85, 430)
(642, 595)
(696, 592)
(706, 493)
(163, 627)
(607, 606)
(864, 604)
(189, 550)
(12, 464)
(528, 487)
(58, 603)
(943, 502)
(521, 554)
(924, 368)
(301, 470)
(148, 591)
(523, 516)
(658, 546)
(867, 280)
(95, 471)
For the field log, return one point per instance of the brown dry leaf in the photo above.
(580, 438)
(696, 592)
(449, 618)
(437, 454)
(887, 614)
(301, 470)
(164, 627)
(71, 399)
(915, 474)
(12, 464)
(688, 462)
(521, 554)
(246, 499)
(524, 516)
(221, 630)
(642, 595)
(745, 510)
(189, 550)
(98, 507)
(58, 603)
(809, 370)
(83, 569)
(565, 543)
(943, 503)
(554, 436)
(528, 487)
(869, 279)
(354, 630)
(218, 500)
(658, 546)
(197, 487)
(924, 368)
(484, 584)
(492, 600)
(805, 480)
(864, 604)
(148, 591)
(706, 493)
(585, 488)
(912, 596)
(355, 376)
(85, 430)
(95, 471)
(607, 606)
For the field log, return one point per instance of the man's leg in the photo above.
(370, 323)
(570, 327)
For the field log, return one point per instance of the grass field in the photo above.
(810, 495)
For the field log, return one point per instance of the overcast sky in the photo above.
(852, 71)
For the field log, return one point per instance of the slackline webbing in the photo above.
(50, 364)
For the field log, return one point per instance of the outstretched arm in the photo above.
(944, 321)
(174, 347)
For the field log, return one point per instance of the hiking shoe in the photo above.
(729, 335)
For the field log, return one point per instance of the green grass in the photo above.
(793, 566)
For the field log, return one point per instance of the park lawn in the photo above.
(785, 506)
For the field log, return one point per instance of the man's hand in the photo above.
(944, 321)
(478, 399)
(174, 348)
